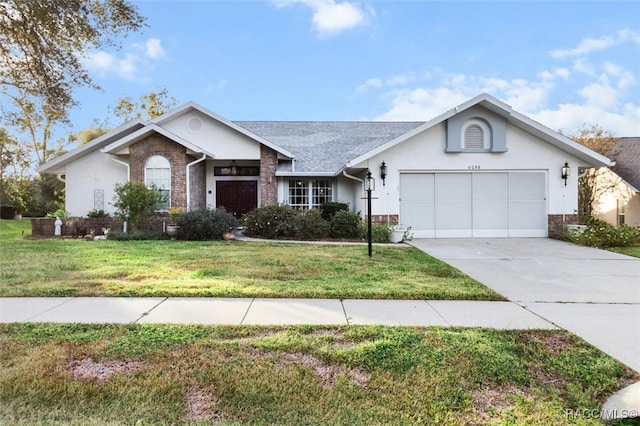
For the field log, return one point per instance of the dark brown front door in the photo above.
(237, 197)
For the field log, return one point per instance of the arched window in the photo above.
(157, 171)
(476, 135)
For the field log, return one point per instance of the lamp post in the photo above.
(370, 182)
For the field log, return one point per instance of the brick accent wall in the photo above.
(268, 181)
(198, 186)
(176, 154)
(74, 226)
(556, 224)
(381, 219)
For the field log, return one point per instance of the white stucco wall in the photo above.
(425, 152)
(95, 171)
(214, 137)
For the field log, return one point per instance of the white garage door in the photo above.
(474, 204)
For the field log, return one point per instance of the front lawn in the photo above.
(71, 267)
(356, 375)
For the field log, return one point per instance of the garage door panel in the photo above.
(418, 214)
(478, 204)
(491, 215)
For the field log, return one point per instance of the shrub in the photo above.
(602, 234)
(97, 214)
(311, 226)
(381, 233)
(199, 225)
(347, 225)
(330, 208)
(60, 213)
(136, 203)
(273, 221)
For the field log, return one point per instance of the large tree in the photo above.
(43, 42)
(150, 105)
(594, 182)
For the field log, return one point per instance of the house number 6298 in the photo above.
(473, 167)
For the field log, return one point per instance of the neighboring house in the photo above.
(478, 170)
(618, 196)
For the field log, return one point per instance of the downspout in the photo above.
(204, 156)
(347, 175)
(126, 165)
(60, 178)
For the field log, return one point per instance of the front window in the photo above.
(309, 193)
(158, 172)
(622, 205)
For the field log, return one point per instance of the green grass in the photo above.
(71, 267)
(359, 375)
(629, 251)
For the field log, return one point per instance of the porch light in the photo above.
(234, 168)
(566, 171)
(370, 182)
(383, 172)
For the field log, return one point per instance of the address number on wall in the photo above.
(473, 167)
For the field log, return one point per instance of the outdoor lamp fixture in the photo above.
(383, 172)
(234, 168)
(566, 171)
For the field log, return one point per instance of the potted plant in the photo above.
(400, 233)
(172, 228)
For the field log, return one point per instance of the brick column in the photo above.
(268, 181)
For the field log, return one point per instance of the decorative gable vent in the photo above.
(474, 137)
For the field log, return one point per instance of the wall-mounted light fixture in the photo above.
(234, 168)
(383, 172)
(566, 171)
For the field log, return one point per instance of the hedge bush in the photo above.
(330, 208)
(200, 225)
(273, 221)
(381, 233)
(346, 225)
(311, 226)
(602, 234)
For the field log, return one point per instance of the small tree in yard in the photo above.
(135, 202)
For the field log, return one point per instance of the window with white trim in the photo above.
(476, 135)
(307, 194)
(621, 208)
(157, 171)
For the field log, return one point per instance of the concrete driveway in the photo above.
(593, 293)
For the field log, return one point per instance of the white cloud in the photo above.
(605, 100)
(154, 49)
(131, 66)
(589, 45)
(562, 98)
(330, 17)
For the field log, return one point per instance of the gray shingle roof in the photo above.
(325, 147)
(626, 153)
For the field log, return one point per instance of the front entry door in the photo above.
(237, 197)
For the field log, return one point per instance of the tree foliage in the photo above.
(148, 107)
(594, 182)
(43, 43)
(136, 203)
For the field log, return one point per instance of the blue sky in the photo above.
(563, 63)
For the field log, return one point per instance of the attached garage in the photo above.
(474, 204)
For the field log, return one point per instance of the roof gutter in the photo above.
(204, 156)
(347, 175)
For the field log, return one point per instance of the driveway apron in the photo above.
(592, 293)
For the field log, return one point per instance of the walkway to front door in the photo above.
(237, 197)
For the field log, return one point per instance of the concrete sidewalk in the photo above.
(256, 311)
